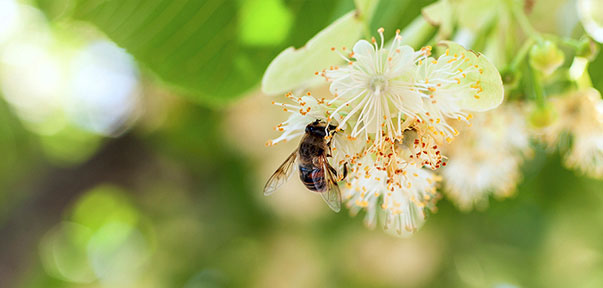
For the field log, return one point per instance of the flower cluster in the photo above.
(394, 108)
(486, 160)
(579, 115)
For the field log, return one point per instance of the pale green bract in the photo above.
(294, 68)
(490, 80)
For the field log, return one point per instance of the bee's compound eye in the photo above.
(309, 129)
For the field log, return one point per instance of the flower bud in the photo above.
(588, 49)
(543, 116)
(511, 78)
(546, 57)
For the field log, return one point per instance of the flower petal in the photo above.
(591, 16)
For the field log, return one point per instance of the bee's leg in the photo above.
(338, 176)
(345, 170)
(334, 172)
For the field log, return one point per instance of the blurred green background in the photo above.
(132, 134)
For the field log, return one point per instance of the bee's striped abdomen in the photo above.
(313, 178)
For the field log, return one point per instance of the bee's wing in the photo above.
(281, 175)
(332, 195)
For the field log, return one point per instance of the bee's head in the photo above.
(318, 128)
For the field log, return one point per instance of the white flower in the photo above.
(590, 13)
(390, 185)
(580, 115)
(487, 159)
(383, 87)
(374, 91)
(586, 154)
(306, 110)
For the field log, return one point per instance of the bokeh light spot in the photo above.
(32, 79)
(264, 22)
(103, 88)
(101, 205)
(63, 253)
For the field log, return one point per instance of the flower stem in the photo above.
(523, 21)
(521, 55)
(538, 88)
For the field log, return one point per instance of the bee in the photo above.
(310, 158)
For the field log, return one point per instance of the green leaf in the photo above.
(294, 68)
(404, 15)
(491, 81)
(212, 51)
